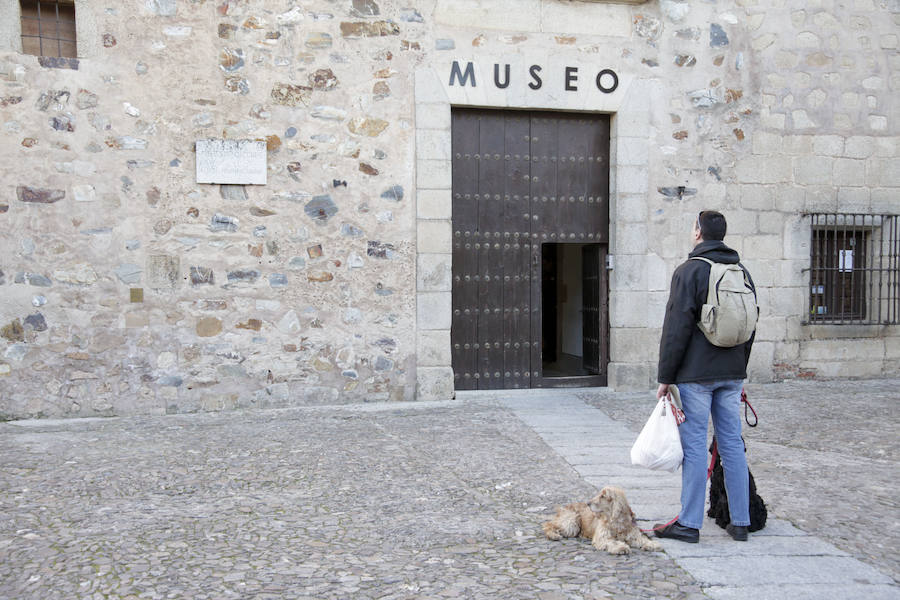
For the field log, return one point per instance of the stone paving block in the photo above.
(644, 485)
(562, 430)
(575, 420)
(624, 468)
(606, 469)
(639, 481)
(538, 403)
(619, 454)
(741, 571)
(716, 542)
(600, 480)
(804, 592)
(592, 433)
(658, 512)
(593, 438)
(588, 467)
(646, 495)
(589, 447)
(601, 452)
(777, 527)
(574, 417)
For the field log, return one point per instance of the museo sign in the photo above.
(569, 78)
(558, 81)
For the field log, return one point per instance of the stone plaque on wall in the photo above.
(231, 161)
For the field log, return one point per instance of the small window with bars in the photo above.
(854, 269)
(48, 28)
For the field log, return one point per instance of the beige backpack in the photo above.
(729, 316)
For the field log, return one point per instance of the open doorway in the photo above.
(573, 299)
(520, 178)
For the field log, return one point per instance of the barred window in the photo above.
(48, 28)
(854, 269)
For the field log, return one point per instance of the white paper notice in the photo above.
(846, 261)
(231, 161)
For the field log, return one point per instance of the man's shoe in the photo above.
(677, 531)
(737, 532)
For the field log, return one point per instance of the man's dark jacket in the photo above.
(685, 355)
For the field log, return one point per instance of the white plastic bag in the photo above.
(658, 446)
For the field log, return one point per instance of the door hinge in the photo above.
(609, 262)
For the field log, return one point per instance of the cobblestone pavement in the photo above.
(371, 501)
(824, 455)
(397, 501)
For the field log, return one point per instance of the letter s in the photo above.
(537, 83)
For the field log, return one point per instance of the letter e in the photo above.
(571, 79)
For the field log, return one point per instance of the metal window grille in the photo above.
(854, 269)
(48, 28)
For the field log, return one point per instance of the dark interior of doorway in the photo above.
(566, 302)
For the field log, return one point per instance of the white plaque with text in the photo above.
(231, 161)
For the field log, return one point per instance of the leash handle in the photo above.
(676, 409)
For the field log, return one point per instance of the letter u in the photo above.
(505, 83)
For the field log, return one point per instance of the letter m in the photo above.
(462, 78)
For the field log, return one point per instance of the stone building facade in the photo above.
(128, 286)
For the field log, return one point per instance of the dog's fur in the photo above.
(718, 499)
(606, 520)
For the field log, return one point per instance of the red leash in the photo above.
(714, 452)
(660, 527)
(749, 406)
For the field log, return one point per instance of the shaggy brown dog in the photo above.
(606, 520)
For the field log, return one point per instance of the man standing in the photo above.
(710, 379)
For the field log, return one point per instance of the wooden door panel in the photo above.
(464, 147)
(517, 255)
(491, 218)
(597, 207)
(590, 263)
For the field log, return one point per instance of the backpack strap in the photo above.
(747, 281)
(710, 296)
(711, 291)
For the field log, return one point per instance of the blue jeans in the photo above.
(722, 399)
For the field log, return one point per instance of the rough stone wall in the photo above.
(812, 126)
(126, 287)
(129, 288)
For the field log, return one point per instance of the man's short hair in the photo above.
(712, 225)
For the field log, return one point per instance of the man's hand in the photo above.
(662, 390)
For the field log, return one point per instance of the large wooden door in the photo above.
(520, 180)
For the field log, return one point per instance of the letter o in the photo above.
(615, 83)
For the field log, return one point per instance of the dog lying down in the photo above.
(606, 520)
